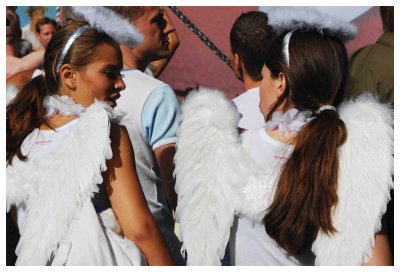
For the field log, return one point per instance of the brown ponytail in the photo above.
(306, 190)
(307, 186)
(24, 114)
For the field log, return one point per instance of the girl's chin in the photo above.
(112, 104)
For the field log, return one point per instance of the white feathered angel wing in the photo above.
(211, 171)
(365, 180)
(55, 187)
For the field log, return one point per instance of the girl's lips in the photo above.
(112, 100)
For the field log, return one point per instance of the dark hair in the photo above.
(306, 190)
(13, 28)
(26, 111)
(45, 21)
(67, 15)
(128, 12)
(250, 38)
(387, 16)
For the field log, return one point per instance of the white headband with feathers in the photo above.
(289, 18)
(104, 19)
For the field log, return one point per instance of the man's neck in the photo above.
(249, 83)
(132, 59)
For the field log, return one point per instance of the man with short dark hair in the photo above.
(250, 38)
(45, 29)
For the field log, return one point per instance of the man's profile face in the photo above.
(46, 32)
(155, 30)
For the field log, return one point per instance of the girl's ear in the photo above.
(280, 84)
(67, 76)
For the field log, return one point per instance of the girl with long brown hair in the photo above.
(71, 175)
(322, 176)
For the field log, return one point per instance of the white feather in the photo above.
(104, 19)
(365, 180)
(209, 179)
(287, 18)
(55, 187)
(11, 93)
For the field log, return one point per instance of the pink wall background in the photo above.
(369, 29)
(195, 64)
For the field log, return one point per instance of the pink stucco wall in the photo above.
(369, 29)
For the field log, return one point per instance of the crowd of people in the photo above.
(103, 160)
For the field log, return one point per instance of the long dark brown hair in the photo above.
(26, 111)
(306, 191)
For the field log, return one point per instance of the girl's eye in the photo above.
(112, 74)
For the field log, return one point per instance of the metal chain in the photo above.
(201, 35)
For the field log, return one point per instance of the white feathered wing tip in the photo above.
(287, 18)
(104, 19)
(11, 93)
(211, 169)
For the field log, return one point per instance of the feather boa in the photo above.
(216, 178)
(55, 187)
(287, 18)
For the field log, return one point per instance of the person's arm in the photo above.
(128, 201)
(31, 61)
(21, 79)
(381, 253)
(158, 66)
(160, 120)
(165, 160)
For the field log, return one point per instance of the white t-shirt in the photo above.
(249, 109)
(249, 243)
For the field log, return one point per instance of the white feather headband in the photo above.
(289, 18)
(104, 19)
